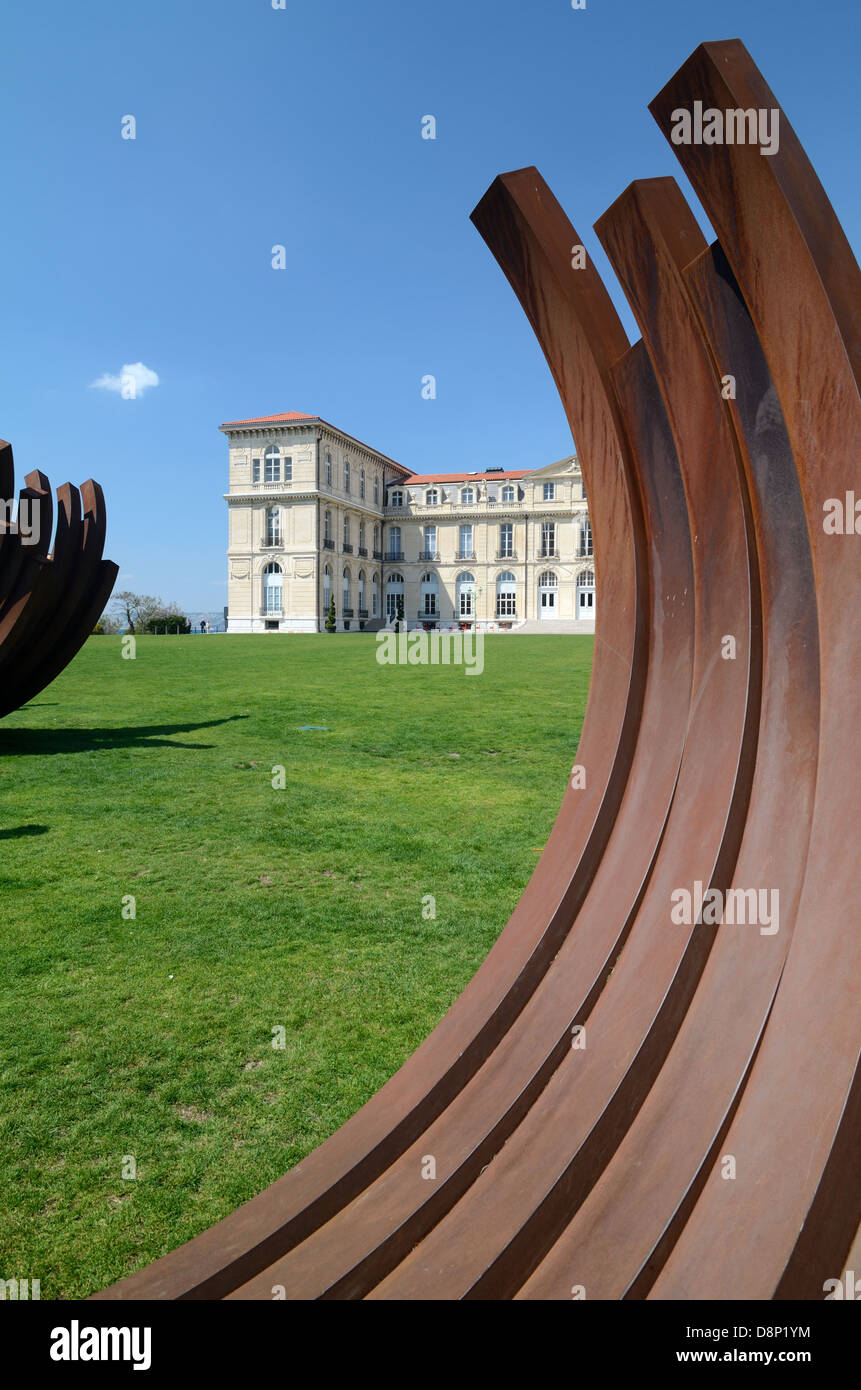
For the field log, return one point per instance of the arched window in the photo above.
(430, 590)
(547, 580)
(466, 595)
(272, 464)
(273, 580)
(508, 493)
(375, 597)
(467, 495)
(362, 483)
(431, 497)
(273, 526)
(346, 475)
(586, 579)
(506, 592)
(394, 592)
(396, 497)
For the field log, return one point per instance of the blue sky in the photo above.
(301, 127)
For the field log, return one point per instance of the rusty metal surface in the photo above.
(50, 598)
(604, 1165)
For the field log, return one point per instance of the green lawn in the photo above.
(256, 908)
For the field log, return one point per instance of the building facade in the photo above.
(314, 514)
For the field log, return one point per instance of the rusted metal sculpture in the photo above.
(625, 1100)
(50, 598)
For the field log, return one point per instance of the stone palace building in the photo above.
(315, 514)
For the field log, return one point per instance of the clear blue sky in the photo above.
(258, 126)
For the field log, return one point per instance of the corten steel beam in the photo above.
(714, 749)
(617, 1241)
(798, 1121)
(50, 599)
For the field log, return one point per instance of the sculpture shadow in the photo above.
(14, 832)
(43, 742)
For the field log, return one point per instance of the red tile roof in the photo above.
(461, 477)
(268, 419)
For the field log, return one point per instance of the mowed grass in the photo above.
(256, 909)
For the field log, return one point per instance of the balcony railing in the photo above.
(363, 612)
(507, 613)
(348, 613)
(426, 617)
(272, 612)
(548, 552)
(585, 554)
(465, 555)
(395, 555)
(378, 555)
(506, 554)
(328, 543)
(428, 555)
(363, 550)
(347, 548)
(270, 543)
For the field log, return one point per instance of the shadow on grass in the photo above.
(16, 831)
(22, 742)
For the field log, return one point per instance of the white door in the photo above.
(547, 603)
(586, 601)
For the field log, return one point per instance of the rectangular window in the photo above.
(465, 542)
(288, 470)
(548, 538)
(346, 477)
(549, 492)
(395, 541)
(328, 470)
(272, 470)
(255, 470)
(506, 540)
(430, 540)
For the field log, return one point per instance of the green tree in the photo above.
(135, 610)
(331, 624)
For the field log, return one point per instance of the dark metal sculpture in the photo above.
(621, 1101)
(50, 599)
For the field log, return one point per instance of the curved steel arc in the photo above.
(50, 600)
(714, 744)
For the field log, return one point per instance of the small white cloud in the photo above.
(133, 379)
